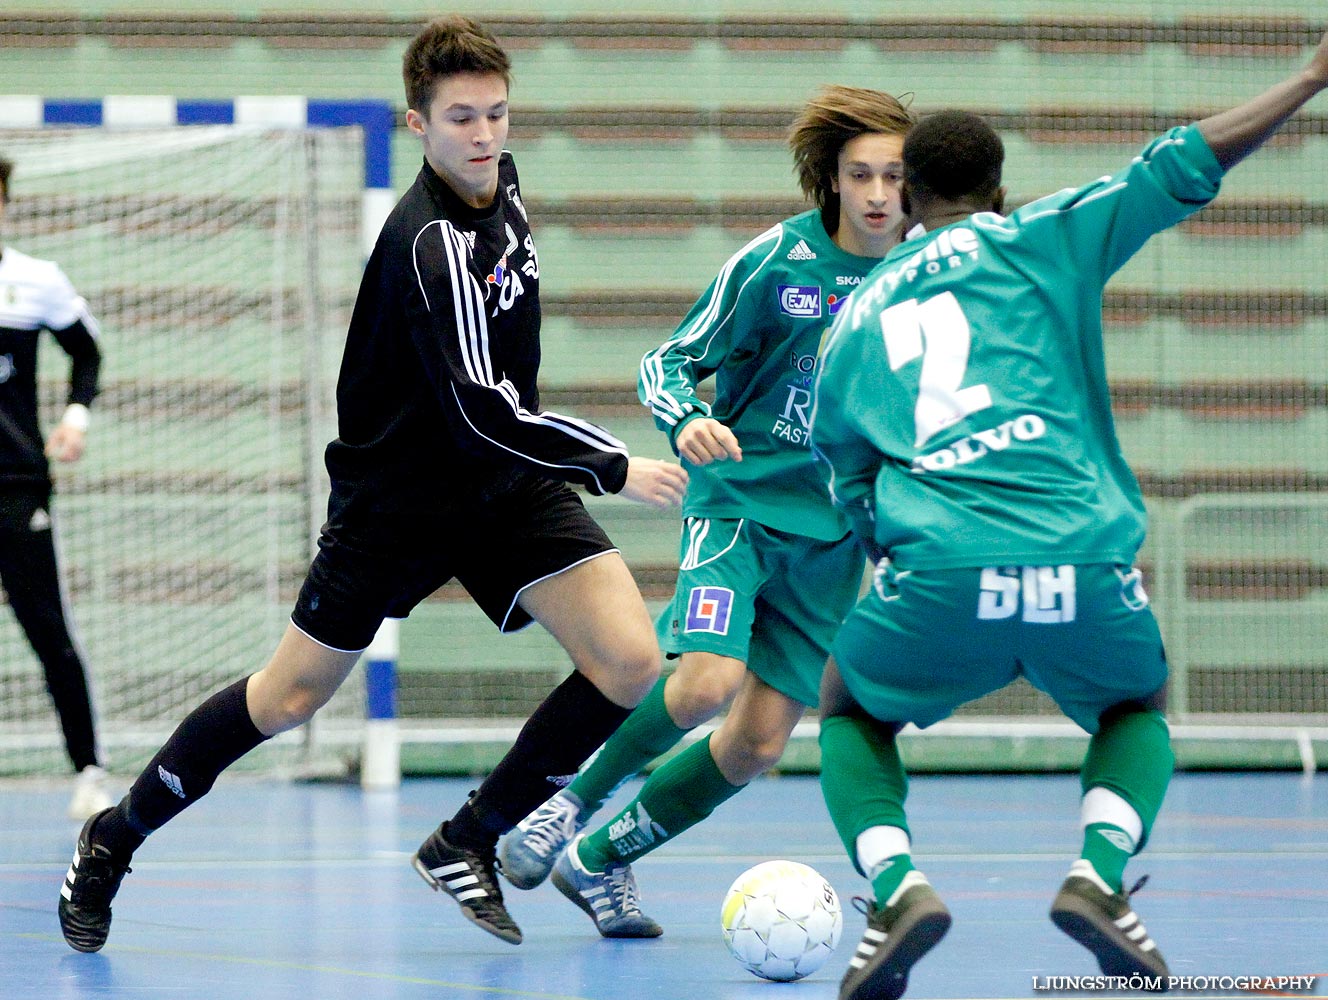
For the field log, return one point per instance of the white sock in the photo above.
(1101, 805)
(878, 844)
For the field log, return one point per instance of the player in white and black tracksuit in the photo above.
(36, 296)
(443, 468)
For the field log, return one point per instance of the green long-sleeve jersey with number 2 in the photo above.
(962, 401)
(757, 329)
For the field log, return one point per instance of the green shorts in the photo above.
(771, 599)
(922, 643)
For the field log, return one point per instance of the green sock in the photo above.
(862, 778)
(646, 734)
(675, 797)
(891, 873)
(1107, 848)
(1129, 755)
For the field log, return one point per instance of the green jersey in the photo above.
(757, 329)
(962, 402)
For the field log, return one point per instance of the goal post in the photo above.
(210, 239)
(374, 118)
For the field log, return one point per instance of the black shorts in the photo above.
(365, 573)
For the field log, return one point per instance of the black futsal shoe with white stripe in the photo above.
(468, 877)
(898, 934)
(1101, 920)
(90, 884)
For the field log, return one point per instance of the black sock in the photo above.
(211, 738)
(570, 725)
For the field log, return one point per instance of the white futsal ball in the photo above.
(781, 920)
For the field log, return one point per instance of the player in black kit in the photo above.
(444, 467)
(35, 295)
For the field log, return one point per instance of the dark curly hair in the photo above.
(953, 155)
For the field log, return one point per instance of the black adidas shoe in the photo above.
(90, 885)
(468, 877)
(897, 936)
(1102, 921)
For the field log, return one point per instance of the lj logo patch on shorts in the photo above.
(708, 610)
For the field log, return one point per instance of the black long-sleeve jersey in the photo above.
(35, 295)
(436, 401)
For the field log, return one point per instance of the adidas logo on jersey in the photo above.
(41, 521)
(801, 251)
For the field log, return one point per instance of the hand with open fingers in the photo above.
(655, 483)
(705, 440)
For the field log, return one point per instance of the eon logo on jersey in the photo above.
(802, 301)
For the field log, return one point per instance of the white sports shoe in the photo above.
(528, 852)
(92, 793)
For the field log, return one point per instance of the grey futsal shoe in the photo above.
(1101, 920)
(90, 884)
(529, 851)
(610, 897)
(898, 934)
(468, 877)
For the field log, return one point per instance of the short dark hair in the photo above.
(954, 155)
(447, 46)
(6, 168)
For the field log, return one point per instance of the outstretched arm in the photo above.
(654, 483)
(1235, 134)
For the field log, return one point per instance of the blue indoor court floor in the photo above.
(272, 890)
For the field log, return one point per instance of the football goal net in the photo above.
(221, 263)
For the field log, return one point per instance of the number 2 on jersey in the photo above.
(937, 331)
